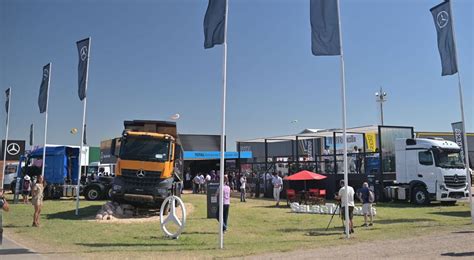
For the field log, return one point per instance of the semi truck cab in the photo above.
(149, 163)
(429, 169)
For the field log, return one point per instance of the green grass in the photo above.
(254, 227)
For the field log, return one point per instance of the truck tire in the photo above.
(420, 196)
(13, 186)
(92, 193)
(108, 193)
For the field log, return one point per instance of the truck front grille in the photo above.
(141, 179)
(455, 182)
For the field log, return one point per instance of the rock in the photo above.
(98, 216)
(110, 212)
(104, 217)
(127, 206)
(108, 217)
(128, 213)
(119, 211)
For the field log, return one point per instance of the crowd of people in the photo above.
(247, 183)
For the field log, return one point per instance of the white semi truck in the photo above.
(428, 170)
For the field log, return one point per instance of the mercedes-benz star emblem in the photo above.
(45, 74)
(13, 149)
(84, 53)
(140, 173)
(455, 178)
(442, 19)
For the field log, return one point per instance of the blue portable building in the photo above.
(61, 163)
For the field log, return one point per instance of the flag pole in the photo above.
(463, 122)
(4, 161)
(46, 120)
(222, 161)
(343, 96)
(6, 138)
(82, 132)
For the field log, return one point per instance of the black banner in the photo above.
(15, 148)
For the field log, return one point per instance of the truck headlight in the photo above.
(116, 187)
(442, 187)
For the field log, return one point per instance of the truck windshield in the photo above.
(141, 148)
(448, 158)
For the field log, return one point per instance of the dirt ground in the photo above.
(459, 243)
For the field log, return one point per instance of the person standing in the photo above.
(346, 202)
(243, 184)
(26, 188)
(196, 182)
(226, 199)
(359, 160)
(277, 182)
(366, 196)
(37, 200)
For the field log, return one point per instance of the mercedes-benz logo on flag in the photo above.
(442, 19)
(45, 73)
(140, 173)
(84, 53)
(13, 149)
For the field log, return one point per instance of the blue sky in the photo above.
(148, 62)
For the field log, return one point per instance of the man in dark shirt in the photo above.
(366, 198)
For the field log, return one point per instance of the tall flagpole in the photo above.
(4, 161)
(82, 132)
(46, 120)
(222, 161)
(6, 138)
(343, 96)
(463, 122)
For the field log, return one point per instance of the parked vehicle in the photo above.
(428, 170)
(10, 173)
(100, 188)
(149, 163)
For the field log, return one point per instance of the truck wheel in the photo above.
(108, 194)
(420, 196)
(92, 193)
(13, 186)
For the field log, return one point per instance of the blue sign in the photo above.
(209, 155)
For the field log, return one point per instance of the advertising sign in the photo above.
(15, 148)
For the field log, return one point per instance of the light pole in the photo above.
(381, 97)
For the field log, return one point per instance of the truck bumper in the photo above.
(452, 195)
(142, 194)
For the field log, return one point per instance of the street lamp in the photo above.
(381, 97)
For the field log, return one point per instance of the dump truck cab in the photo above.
(149, 163)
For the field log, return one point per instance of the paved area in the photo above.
(458, 244)
(12, 250)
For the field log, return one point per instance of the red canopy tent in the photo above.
(305, 176)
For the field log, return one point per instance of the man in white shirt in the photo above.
(277, 186)
(346, 201)
(243, 184)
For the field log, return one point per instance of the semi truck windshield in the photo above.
(144, 149)
(448, 158)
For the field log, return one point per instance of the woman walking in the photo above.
(37, 200)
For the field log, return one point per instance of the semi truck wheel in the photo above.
(92, 193)
(420, 196)
(108, 194)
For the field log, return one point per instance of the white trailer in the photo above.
(428, 170)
